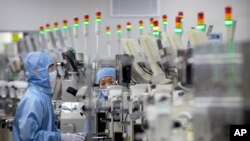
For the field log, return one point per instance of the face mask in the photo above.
(103, 93)
(52, 80)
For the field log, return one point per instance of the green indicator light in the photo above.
(41, 33)
(76, 25)
(65, 27)
(108, 33)
(119, 31)
(178, 31)
(47, 30)
(164, 23)
(56, 29)
(141, 27)
(86, 23)
(228, 22)
(98, 20)
(201, 27)
(156, 34)
(128, 29)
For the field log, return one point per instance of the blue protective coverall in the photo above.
(35, 119)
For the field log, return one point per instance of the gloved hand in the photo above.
(72, 137)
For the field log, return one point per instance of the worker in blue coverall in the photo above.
(35, 119)
(105, 77)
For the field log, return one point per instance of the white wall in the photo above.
(30, 14)
(248, 19)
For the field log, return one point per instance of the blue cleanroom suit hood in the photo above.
(104, 72)
(40, 61)
(107, 71)
(35, 119)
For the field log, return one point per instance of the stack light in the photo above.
(108, 31)
(156, 32)
(41, 30)
(200, 22)
(76, 22)
(151, 22)
(65, 24)
(228, 16)
(98, 16)
(56, 26)
(86, 20)
(180, 14)
(47, 28)
(164, 20)
(178, 26)
(140, 25)
(129, 26)
(119, 29)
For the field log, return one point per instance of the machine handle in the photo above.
(72, 91)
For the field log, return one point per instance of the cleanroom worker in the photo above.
(35, 119)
